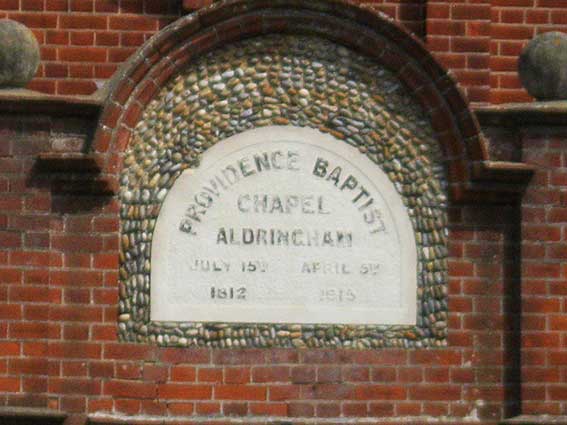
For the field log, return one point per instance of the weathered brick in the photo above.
(117, 388)
(240, 392)
(185, 392)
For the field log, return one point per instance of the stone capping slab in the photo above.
(27, 101)
(498, 182)
(503, 171)
(32, 414)
(117, 419)
(536, 420)
(523, 114)
(111, 419)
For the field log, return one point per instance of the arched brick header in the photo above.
(361, 29)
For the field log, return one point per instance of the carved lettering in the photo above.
(280, 225)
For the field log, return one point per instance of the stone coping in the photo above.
(532, 113)
(536, 420)
(17, 411)
(26, 101)
(22, 100)
(118, 419)
(30, 416)
(53, 416)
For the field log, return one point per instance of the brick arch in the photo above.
(362, 29)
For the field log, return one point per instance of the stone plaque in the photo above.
(284, 225)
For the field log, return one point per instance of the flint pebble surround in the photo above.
(283, 80)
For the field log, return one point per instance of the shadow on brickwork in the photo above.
(491, 240)
(513, 315)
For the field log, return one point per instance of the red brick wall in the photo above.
(514, 22)
(25, 259)
(459, 34)
(411, 13)
(480, 41)
(544, 288)
(83, 41)
(58, 295)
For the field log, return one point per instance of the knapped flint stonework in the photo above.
(284, 80)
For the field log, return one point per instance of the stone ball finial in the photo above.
(543, 66)
(19, 54)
